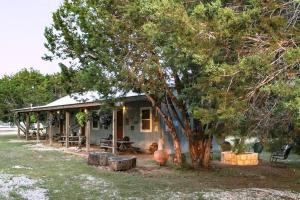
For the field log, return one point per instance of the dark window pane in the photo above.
(145, 114)
(145, 124)
(95, 123)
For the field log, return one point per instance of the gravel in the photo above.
(251, 194)
(21, 185)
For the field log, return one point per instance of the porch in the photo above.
(131, 123)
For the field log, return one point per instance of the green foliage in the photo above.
(239, 146)
(82, 118)
(33, 119)
(226, 146)
(235, 62)
(27, 88)
(275, 144)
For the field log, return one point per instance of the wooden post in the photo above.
(87, 133)
(27, 125)
(114, 132)
(19, 132)
(50, 120)
(37, 127)
(17, 118)
(67, 128)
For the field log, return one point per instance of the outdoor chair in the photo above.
(282, 154)
(106, 143)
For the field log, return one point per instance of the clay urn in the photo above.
(161, 156)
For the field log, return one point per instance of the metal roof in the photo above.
(78, 100)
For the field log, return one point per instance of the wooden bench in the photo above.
(73, 140)
(105, 144)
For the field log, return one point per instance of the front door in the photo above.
(120, 124)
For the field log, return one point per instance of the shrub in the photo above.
(275, 144)
(226, 146)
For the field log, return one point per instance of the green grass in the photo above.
(63, 175)
(67, 176)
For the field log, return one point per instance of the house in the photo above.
(132, 116)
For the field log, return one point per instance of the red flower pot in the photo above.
(161, 157)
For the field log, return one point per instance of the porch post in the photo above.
(87, 133)
(38, 128)
(27, 126)
(50, 119)
(114, 132)
(67, 128)
(18, 132)
(17, 120)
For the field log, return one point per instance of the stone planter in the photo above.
(248, 158)
(122, 163)
(99, 158)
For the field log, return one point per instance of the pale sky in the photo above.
(22, 24)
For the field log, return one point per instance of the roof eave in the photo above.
(73, 106)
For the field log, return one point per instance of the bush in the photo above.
(226, 146)
(275, 144)
(297, 144)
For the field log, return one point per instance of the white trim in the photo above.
(150, 109)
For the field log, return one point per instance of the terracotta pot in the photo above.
(161, 156)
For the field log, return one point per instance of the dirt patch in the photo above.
(21, 167)
(22, 186)
(106, 189)
(168, 194)
(40, 147)
(250, 193)
(18, 141)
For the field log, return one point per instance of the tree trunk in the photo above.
(200, 148)
(169, 122)
(177, 149)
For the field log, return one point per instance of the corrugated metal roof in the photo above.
(80, 98)
(87, 97)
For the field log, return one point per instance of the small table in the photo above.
(121, 144)
(124, 145)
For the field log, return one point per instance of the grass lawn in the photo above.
(26, 173)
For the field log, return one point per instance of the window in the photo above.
(146, 119)
(95, 123)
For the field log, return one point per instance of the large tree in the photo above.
(210, 60)
(27, 88)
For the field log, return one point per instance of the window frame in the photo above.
(141, 120)
(98, 125)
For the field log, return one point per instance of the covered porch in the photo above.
(116, 130)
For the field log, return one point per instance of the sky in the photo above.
(22, 24)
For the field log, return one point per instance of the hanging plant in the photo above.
(105, 115)
(33, 118)
(82, 118)
(105, 120)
